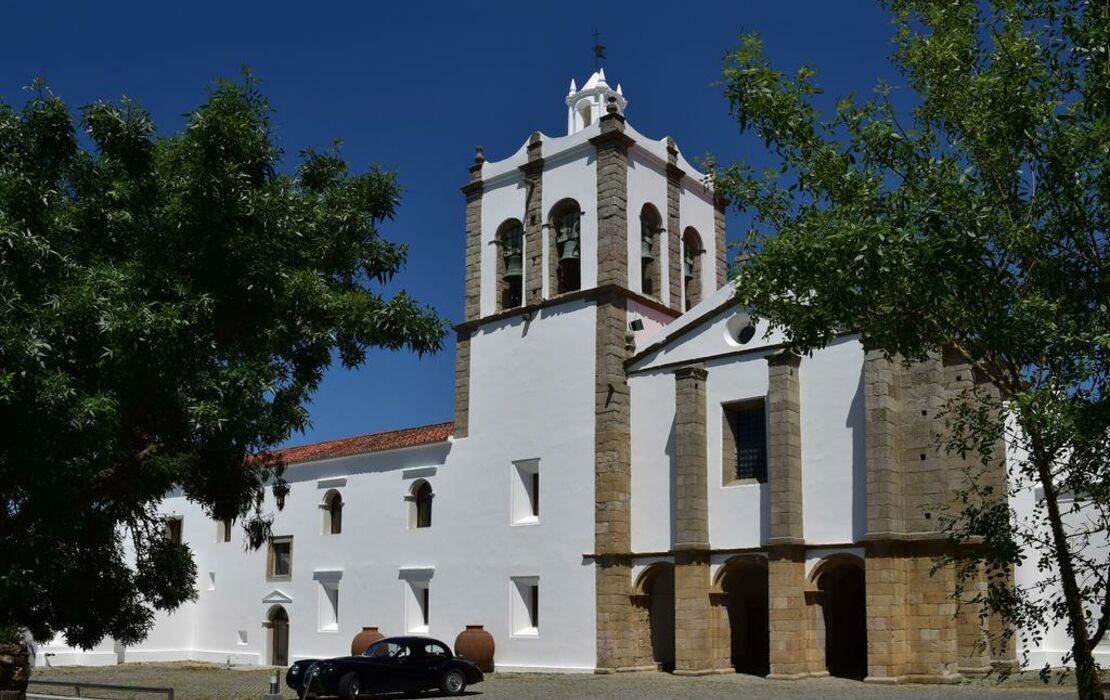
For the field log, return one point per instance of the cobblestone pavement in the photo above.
(202, 682)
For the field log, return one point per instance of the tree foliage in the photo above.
(168, 304)
(974, 219)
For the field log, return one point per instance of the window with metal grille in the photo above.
(745, 441)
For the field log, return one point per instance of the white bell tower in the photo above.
(586, 106)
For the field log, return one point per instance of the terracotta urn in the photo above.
(365, 638)
(475, 644)
(15, 667)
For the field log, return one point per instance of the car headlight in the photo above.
(295, 671)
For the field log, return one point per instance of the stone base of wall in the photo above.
(916, 630)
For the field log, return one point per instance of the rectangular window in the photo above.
(242, 638)
(744, 432)
(223, 531)
(329, 605)
(280, 559)
(211, 580)
(525, 506)
(417, 605)
(174, 529)
(525, 606)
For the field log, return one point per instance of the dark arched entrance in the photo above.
(844, 610)
(745, 589)
(279, 636)
(658, 585)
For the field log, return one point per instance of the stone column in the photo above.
(788, 615)
(691, 487)
(674, 228)
(473, 273)
(612, 199)
(462, 384)
(693, 614)
(613, 487)
(784, 448)
(881, 446)
(533, 221)
(471, 293)
(720, 263)
(887, 646)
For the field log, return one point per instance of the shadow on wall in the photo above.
(856, 426)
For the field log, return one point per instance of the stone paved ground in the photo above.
(202, 682)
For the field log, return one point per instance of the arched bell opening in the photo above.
(277, 639)
(510, 265)
(565, 252)
(656, 585)
(651, 234)
(842, 595)
(744, 584)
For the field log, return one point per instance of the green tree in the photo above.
(168, 304)
(974, 219)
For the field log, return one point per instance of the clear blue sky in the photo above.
(414, 86)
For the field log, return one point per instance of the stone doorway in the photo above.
(746, 601)
(278, 622)
(844, 612)
(657, 584)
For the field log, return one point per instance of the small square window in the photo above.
(280, 559)
(242, 638)
(418, 606)
(329, 606)
(744, 449)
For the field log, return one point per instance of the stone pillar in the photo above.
(693, 614)
(612, 199)
(972, 630)
(471, 294)
(720, 263)
(887, 646)
(612, 487)
(784, 448)
(533, 221)
(788, 616)
(881, 446)
(473, 273)
(674, 228)
(691, 487)
(462, 384)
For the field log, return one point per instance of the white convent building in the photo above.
(636, 477)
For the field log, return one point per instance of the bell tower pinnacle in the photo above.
(586, 106)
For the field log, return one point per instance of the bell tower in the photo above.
(579, 248)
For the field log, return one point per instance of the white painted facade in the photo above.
(532, 398)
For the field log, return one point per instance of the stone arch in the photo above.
(277, 635)
(332, 507)
(692, 254)
(651, 246)
(841, 592)
(655, 589)
(510, 264)
(741, 585)
(564, 232)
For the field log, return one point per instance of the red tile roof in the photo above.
(392, 440)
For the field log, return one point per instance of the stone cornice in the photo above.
(601, 293)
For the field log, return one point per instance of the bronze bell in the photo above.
(513, 264)
(645, 247)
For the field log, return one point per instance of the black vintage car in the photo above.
(394, 664)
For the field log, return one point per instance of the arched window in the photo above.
(651, 226)
(333, 513)
(585, 112)
(565, 233)
(420, 504)
(510, 264)
(691, 267)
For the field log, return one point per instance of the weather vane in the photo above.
(599, 52)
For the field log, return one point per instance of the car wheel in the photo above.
(452, 683)
(349, 686)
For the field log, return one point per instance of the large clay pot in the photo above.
(365, 638)
(15, 667)
(476, 645)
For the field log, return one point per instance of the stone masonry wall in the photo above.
(784, 448)
(673, 229)
(533, 222)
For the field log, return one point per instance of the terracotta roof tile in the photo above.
(374, 442)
